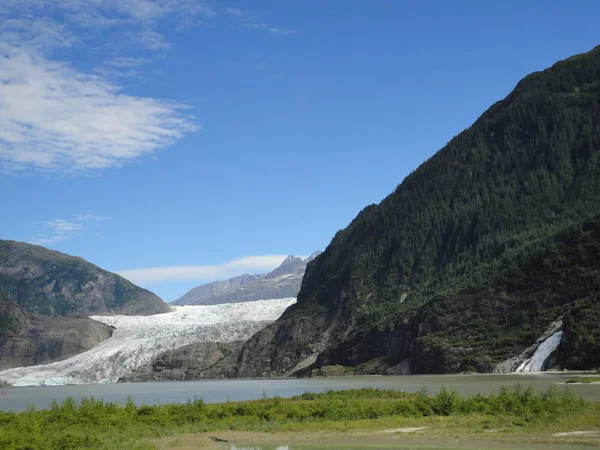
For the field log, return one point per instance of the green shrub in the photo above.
(97, 424)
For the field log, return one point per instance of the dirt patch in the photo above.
(578, 433)
(405, 430)
(378, 439)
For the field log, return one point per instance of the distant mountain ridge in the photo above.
(282, 282)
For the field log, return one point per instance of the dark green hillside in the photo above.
(509, 189)
(478, 327)
(529, 167)
(51, 283)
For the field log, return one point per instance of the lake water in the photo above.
(216, 391)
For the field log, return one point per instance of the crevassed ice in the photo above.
(544, 350)
(138, 339)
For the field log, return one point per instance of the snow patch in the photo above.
(138, 339)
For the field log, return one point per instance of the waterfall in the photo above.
(544, 350)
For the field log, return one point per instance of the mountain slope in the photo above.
(504, 191)
(282, 282)
(51, 283)
(199, 294)
(28, 339)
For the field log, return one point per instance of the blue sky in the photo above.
(182, 141)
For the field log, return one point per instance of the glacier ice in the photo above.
(545, 349)
(138, 339)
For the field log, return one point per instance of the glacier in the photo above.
(138, 339)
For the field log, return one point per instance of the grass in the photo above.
(95, 424)
(583, 380)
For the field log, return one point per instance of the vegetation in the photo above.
(95, 424)
(582, 333)
(584, 380)
(501, 317)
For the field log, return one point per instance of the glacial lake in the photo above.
(216, 391)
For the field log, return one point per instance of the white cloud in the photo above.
(58, 230)
(282, 31)
(250, 21)
(151, 10)
(255, 25)
(63, 226)
(126, 62)
(44, 239)
(55, 118)
(38, 32)
(47, 24)
(89, 218)
(235, 11)
(249, 264)
(151, 39)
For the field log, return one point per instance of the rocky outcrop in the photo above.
(192, 362)
(523, 361)
(282, 282)
(51, 283)
(29, 339)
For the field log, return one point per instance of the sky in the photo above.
(177, 142)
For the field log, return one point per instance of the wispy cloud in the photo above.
(246, 19)
(58, 230)
(55, 118)
(63, 226)
(38, 32)
(255, 25)
(235, 11)
(282, 31)
(249, 264)
(54, 23)
(151, 39)
(90, 218)
(58, 118)
(126, 62)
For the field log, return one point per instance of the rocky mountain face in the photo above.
(28, 339)
(51, 283)
(191, 362)
(474, 255)
(283, 282)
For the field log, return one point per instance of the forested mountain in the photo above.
(51, 283)
(520, 184)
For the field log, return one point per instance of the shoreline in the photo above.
(348, 376)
